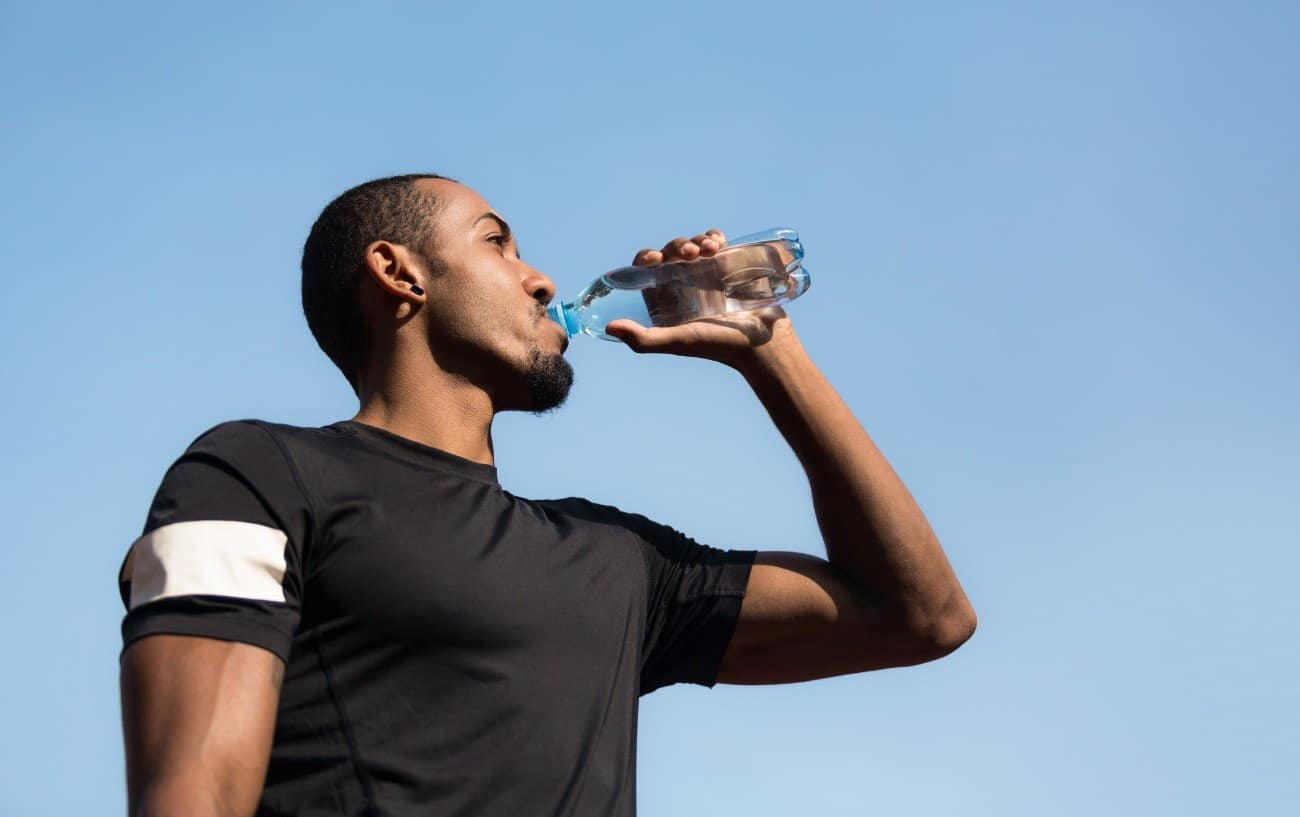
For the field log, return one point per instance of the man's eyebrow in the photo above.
(501, 223)
(505, 228)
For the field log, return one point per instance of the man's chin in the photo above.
(549, 379)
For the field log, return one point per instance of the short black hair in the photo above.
(389, 209)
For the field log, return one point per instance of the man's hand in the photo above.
(730, 339)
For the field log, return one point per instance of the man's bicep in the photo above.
(198, 716)
(802, 619)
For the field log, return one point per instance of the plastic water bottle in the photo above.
(752, 272)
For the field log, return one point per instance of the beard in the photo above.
(549, 379)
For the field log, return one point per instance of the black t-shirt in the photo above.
(450, 648)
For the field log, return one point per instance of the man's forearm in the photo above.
(873, 530)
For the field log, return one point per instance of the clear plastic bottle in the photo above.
(752, 272)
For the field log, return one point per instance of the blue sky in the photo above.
(1055, 273)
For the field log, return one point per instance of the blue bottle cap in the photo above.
(566, 316)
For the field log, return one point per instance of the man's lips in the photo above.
(564, 336)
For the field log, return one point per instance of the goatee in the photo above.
(549, 379)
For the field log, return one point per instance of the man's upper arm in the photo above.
(197, 717)
(802, 619)
(213, 594)
(222, 549)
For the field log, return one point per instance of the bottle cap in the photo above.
(566, 316)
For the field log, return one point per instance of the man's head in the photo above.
(427, 251)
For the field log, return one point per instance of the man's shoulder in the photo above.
(581, 507)
(265, 449)
(598, 513)
(259, 433)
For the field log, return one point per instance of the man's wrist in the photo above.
(773, 357)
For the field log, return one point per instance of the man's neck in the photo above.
(445, 412)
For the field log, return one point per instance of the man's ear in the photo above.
(392, 267)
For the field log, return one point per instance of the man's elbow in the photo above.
(952, 632)
(956, 632)
(938, 635)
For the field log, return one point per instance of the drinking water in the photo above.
(753, 272)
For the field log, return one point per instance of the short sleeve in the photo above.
(695, 594)
(221, 552)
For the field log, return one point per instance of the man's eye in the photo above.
(499, 240)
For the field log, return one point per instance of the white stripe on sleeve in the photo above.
(209, 557)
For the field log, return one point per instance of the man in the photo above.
(357, 620)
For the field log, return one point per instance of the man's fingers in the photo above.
(641, 338)
(630, 332)
(680, 248)
(647, 257)
(710, 242)
(671, 339)
(683, 249)
(675, 246)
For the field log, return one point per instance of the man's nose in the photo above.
(539, 286)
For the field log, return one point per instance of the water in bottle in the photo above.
(752, 272)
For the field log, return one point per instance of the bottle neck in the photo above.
(566, 315)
